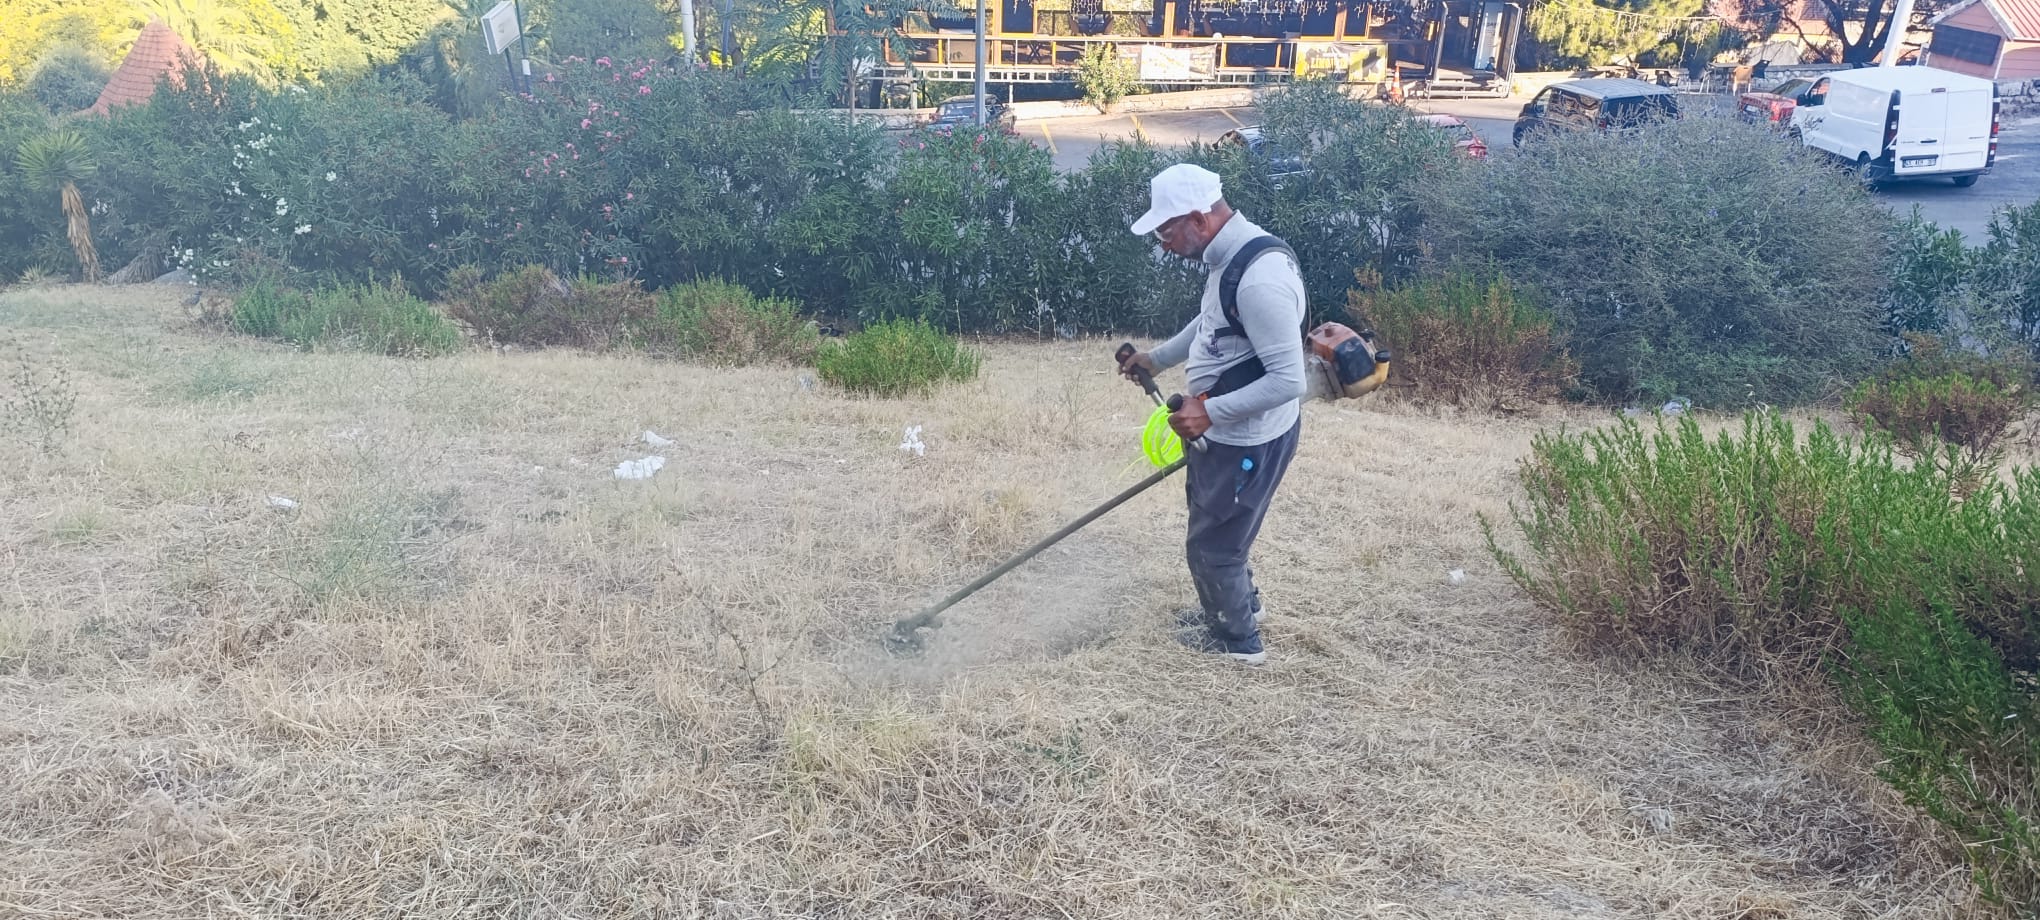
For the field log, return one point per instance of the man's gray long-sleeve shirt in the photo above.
(1272, 307)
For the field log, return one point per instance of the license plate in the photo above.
(1919, 161)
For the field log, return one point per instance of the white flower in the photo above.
(330, 175)
(282, 207)
(302, 229)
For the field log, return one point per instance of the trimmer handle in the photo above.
(1147, 380)
(1175, 403)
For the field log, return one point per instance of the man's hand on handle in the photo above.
(1131, 366)
(1190, 420)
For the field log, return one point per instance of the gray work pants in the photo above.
(1230, 489)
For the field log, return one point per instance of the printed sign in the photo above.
(1357, 62)
(500, 27)
(1160, 64)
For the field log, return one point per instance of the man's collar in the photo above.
(1236, 232)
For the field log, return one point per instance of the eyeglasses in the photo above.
(1163, 232)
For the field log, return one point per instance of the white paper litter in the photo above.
(280, 503)
(640, 469)
(912, 444)
(652, 439)
(1457, 576)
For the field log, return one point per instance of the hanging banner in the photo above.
(1354, 61)
(1161, 64)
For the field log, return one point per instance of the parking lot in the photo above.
(2015, 180)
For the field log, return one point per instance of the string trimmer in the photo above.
(1338, 363)
(1162, 447)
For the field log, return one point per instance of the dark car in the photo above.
(1279, 163)
(960, 112)
(1600, 104)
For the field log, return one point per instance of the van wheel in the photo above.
(1964, 181)
(1866, 174)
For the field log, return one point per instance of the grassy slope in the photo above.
(473, 674)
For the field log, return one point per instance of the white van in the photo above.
(1902, 122)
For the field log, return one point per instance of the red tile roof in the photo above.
(2023, 15)
(157, 51)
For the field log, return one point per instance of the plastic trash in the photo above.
(912, 444)
(640, 469)
(1456, 576)
(280, 503)
(652, 439)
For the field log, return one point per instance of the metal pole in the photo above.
(1894, 34)
(983, 12)
(687, 29)
(904, 629)
(523, 46)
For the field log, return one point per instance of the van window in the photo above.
(1562, 105)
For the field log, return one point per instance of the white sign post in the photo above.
(500, 27)
(500, 30)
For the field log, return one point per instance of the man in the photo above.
(1246, 381)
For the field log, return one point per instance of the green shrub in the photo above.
(1468, 341)
(1104, 77)
(1931, 277)
(1702, 258)
(725, 323)
(896, 357)
(68, 79)
(1759, 550)
(379, 318)
(532, 306)
(1947, 406)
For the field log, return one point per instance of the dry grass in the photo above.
(472, 674)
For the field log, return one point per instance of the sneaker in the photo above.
(1248, 651)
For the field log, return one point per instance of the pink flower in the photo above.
(623, 259)
(577, 156)
(431, 245)
(602, 62)
(527, 174)
(629, 195)
(606, 209)
(644, 90)
(570, 146)
(548, 78)
(585, 123)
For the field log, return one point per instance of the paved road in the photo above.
(2015, 180)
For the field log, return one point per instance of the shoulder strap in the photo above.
(1229, 281)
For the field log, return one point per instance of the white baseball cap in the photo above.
(1177, 191)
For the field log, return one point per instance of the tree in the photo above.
(1872, 22)
(240, 36)
(57, 161)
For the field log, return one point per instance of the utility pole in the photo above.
(983, 8)
(1894, 34)
(687, 29)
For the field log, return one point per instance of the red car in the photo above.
(1463, 136)
(1773, 107)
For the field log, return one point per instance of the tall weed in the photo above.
(1468, 341)
(530, 305)
(1762, 551)
(725, 323)
(895, 358)
(384, 319)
